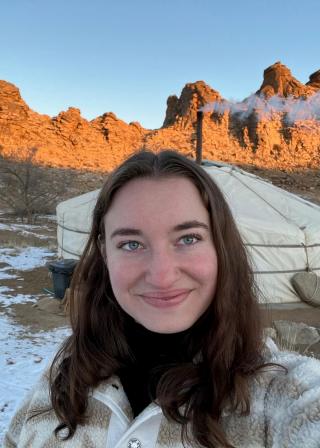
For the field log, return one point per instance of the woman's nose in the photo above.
(162, 270)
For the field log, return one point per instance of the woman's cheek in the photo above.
(122, 272)
(204, 262)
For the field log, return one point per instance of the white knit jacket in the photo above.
(285, 413)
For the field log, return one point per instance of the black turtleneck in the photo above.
(152, 354)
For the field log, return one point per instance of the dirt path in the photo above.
(46, 314)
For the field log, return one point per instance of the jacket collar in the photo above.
(112, 394)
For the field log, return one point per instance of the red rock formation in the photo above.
(193, 97)
(314, 80)
(278, 80)
(121, 138)
(68, 140)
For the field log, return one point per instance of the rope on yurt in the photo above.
(302, 228)
(62, 237)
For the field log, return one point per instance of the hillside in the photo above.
(277, 127)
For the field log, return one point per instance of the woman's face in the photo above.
(159, 252)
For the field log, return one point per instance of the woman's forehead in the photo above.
(168, 200)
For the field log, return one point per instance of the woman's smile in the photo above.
(166, 299)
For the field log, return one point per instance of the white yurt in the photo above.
(280, 230)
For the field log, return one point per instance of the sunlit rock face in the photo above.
(278, 126)
(314, 80)
(278, 80)
(193, 96)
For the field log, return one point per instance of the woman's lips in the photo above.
(165, 300)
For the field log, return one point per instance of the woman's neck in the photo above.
(160, 347)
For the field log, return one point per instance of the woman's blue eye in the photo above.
(188, 240)
(130, 245)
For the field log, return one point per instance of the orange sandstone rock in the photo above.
(69, 140)
(278, 80)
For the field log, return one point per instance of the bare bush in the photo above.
(28, 189)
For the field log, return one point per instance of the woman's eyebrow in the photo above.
(190, 225)
(124, 231)
(128, 231)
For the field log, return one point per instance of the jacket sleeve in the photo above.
(292, 403)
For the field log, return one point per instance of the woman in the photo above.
(166, 347)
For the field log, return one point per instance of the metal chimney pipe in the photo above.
(199, 137)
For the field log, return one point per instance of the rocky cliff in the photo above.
(260, 130)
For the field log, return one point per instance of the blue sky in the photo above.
(128, 56)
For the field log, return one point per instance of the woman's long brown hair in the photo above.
(231, 344)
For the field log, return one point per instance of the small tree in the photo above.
(26, 188)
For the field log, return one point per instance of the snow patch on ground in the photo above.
(23, 354)
(25, 229)
(4, 289)
(19, 227)
(24, 259)
(8, 300)
(5, 276)
(23, 357)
